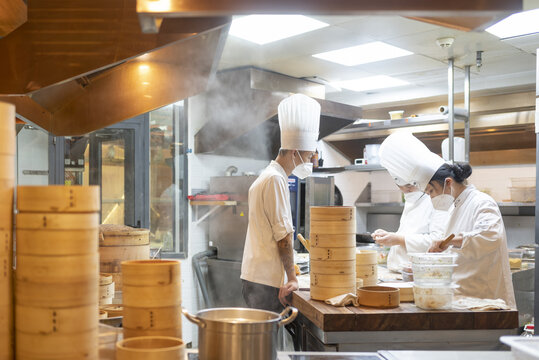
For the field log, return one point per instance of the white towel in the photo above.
(343, 300)
(472, 303)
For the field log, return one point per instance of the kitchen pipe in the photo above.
(197, 259)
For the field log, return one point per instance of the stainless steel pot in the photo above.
(239, 333)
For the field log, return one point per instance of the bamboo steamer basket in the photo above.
(332, 280)
(49, 321)
(150, 348)
(6, 281)
(152, 318)
(52, 221)
(58, 199)
(324, 293)
(113, 310)
(106, 301)
(6, 243)
(366, 257)
(105, 279)
(59, 295)
(7, 142)
(333, 227)
(6, 205)
(363, 271)
(7, 129)
(57, 269)
(333, 213)
(7, 167)
(81, 345)
(103, 314)
(332, 241)
(131, 333)
(151, 296)
(319, 253)
(121, 235)
(57, 242)
(382, 297)
(406, 290)
(111, 257)
(330, 267)
(151, 272)
(106, 292)
(6, 332)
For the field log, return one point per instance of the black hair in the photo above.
(458, 171)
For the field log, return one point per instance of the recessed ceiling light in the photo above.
(523, 23)
(363, 54)
(370, 83)
(264, 29)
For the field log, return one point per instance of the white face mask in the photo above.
(302, 170)
(412, 197)
(443, 202)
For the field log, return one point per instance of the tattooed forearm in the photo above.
(286, 254)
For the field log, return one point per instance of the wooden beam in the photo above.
(13, 13)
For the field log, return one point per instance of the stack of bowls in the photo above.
(433, 272)
(56, 289)
(7, 183)
(332, 251)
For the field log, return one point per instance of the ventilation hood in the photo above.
(239, 112)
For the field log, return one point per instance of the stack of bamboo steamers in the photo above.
(56, 289)
(7, 183)
(332, 251)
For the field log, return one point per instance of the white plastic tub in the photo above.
(433, 297)
(433, 258)
(522, 194)
(523, 348)
(434, 275)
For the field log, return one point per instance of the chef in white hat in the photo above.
(268, 253)
(411, 165)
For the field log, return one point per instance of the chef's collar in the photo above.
(464, 195)
(279, 168)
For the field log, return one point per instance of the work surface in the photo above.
(406, 317)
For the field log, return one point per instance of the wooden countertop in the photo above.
(406, 317)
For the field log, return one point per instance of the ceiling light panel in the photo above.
(264, 29)
(370, 83)
(523, 23)
(363, 54)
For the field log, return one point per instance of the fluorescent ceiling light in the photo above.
(363, 54)
(264, 29)
(370, 83)
(523, 23)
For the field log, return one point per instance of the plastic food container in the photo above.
(433, 297)
(515, 259)
(407, 276)
(433, 258)
(522, 194)
(523, 182)
(397, 114)
(434, 275)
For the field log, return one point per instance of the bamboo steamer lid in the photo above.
(333, 227)
(106, 291)
(150, 348)
(151, 296)
(333, 267)
(161, 318)
(324, 293)
(111, 257)
(39, 320)
(105, 279)
(58, 199)
(333, 241)
(406, 290)
(113, 310)
(52, 221)
(7, 167)
(365, 271)
(366, 257)
(382, 297)
(319, 253)
(326, 280)
(151, 272)
(57, 269)
(333, 213)
(56, 242)
(122, 235)
(80, 345)
(56, 295)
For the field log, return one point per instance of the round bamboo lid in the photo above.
(51, 221)
(113, 310)
(150, 348)
(333, 213)
(58, 199)
(383, 297)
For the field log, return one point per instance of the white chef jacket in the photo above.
(270, 220)
(420, 224)
(483, 262)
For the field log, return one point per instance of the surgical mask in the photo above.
(302, 170)
(412, 197)
(443, 202)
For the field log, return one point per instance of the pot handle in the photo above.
(194, 319)
(290, 318)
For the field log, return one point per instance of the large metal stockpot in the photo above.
(239, 333)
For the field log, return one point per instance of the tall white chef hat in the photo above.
(299, 120)
(407, 158)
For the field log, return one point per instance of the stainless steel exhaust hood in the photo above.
(240, 111)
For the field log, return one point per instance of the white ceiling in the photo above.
(506, 64)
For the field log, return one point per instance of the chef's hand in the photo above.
(436, 246)
(378, 233)
(390, 239)
(286, 290)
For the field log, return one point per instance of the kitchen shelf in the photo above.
(216, 205)
(358, 168)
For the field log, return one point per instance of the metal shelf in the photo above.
(358, 168)
(217, 204)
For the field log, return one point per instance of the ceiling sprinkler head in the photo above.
(444, 43)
